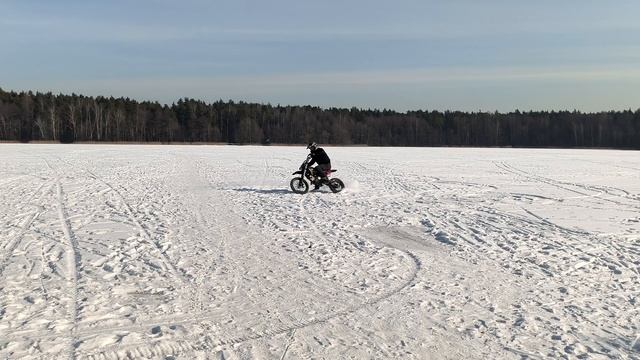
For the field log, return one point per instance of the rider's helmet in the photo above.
(312, 146)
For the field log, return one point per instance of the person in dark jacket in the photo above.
(319, 156)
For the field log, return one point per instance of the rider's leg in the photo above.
(322, 170)
(317, 178)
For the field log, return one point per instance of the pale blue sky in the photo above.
(456, 54)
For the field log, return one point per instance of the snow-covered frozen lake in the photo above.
(140, 251)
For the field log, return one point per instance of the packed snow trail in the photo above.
(203, 252)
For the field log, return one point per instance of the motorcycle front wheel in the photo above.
(299, 185)
(336, 185)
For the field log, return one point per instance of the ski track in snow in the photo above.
(112, 252)
(73, 263)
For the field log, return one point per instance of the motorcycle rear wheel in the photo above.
(336, 185)
(299, 185)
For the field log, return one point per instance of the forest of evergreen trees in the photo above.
(28, 117)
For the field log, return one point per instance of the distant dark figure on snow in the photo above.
(319, 156)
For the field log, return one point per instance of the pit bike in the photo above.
(308, 175)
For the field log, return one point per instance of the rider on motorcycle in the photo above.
(319, 156)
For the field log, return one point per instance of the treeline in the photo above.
(27, 117)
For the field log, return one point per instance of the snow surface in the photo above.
(138, 251)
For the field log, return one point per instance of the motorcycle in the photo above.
(299, 184)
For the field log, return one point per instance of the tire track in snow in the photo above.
(143, 229)
(578, 242)
(554, 225)
(168, 265)
(598, 191)
(574, 243)
(223, 259)
(529, 176)
(289, 342)
(26, 202)
(209, 344)
(12, 180)
(575, 235)
(230, 230)
(73, 263)
(212, 264)
(14, 242)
